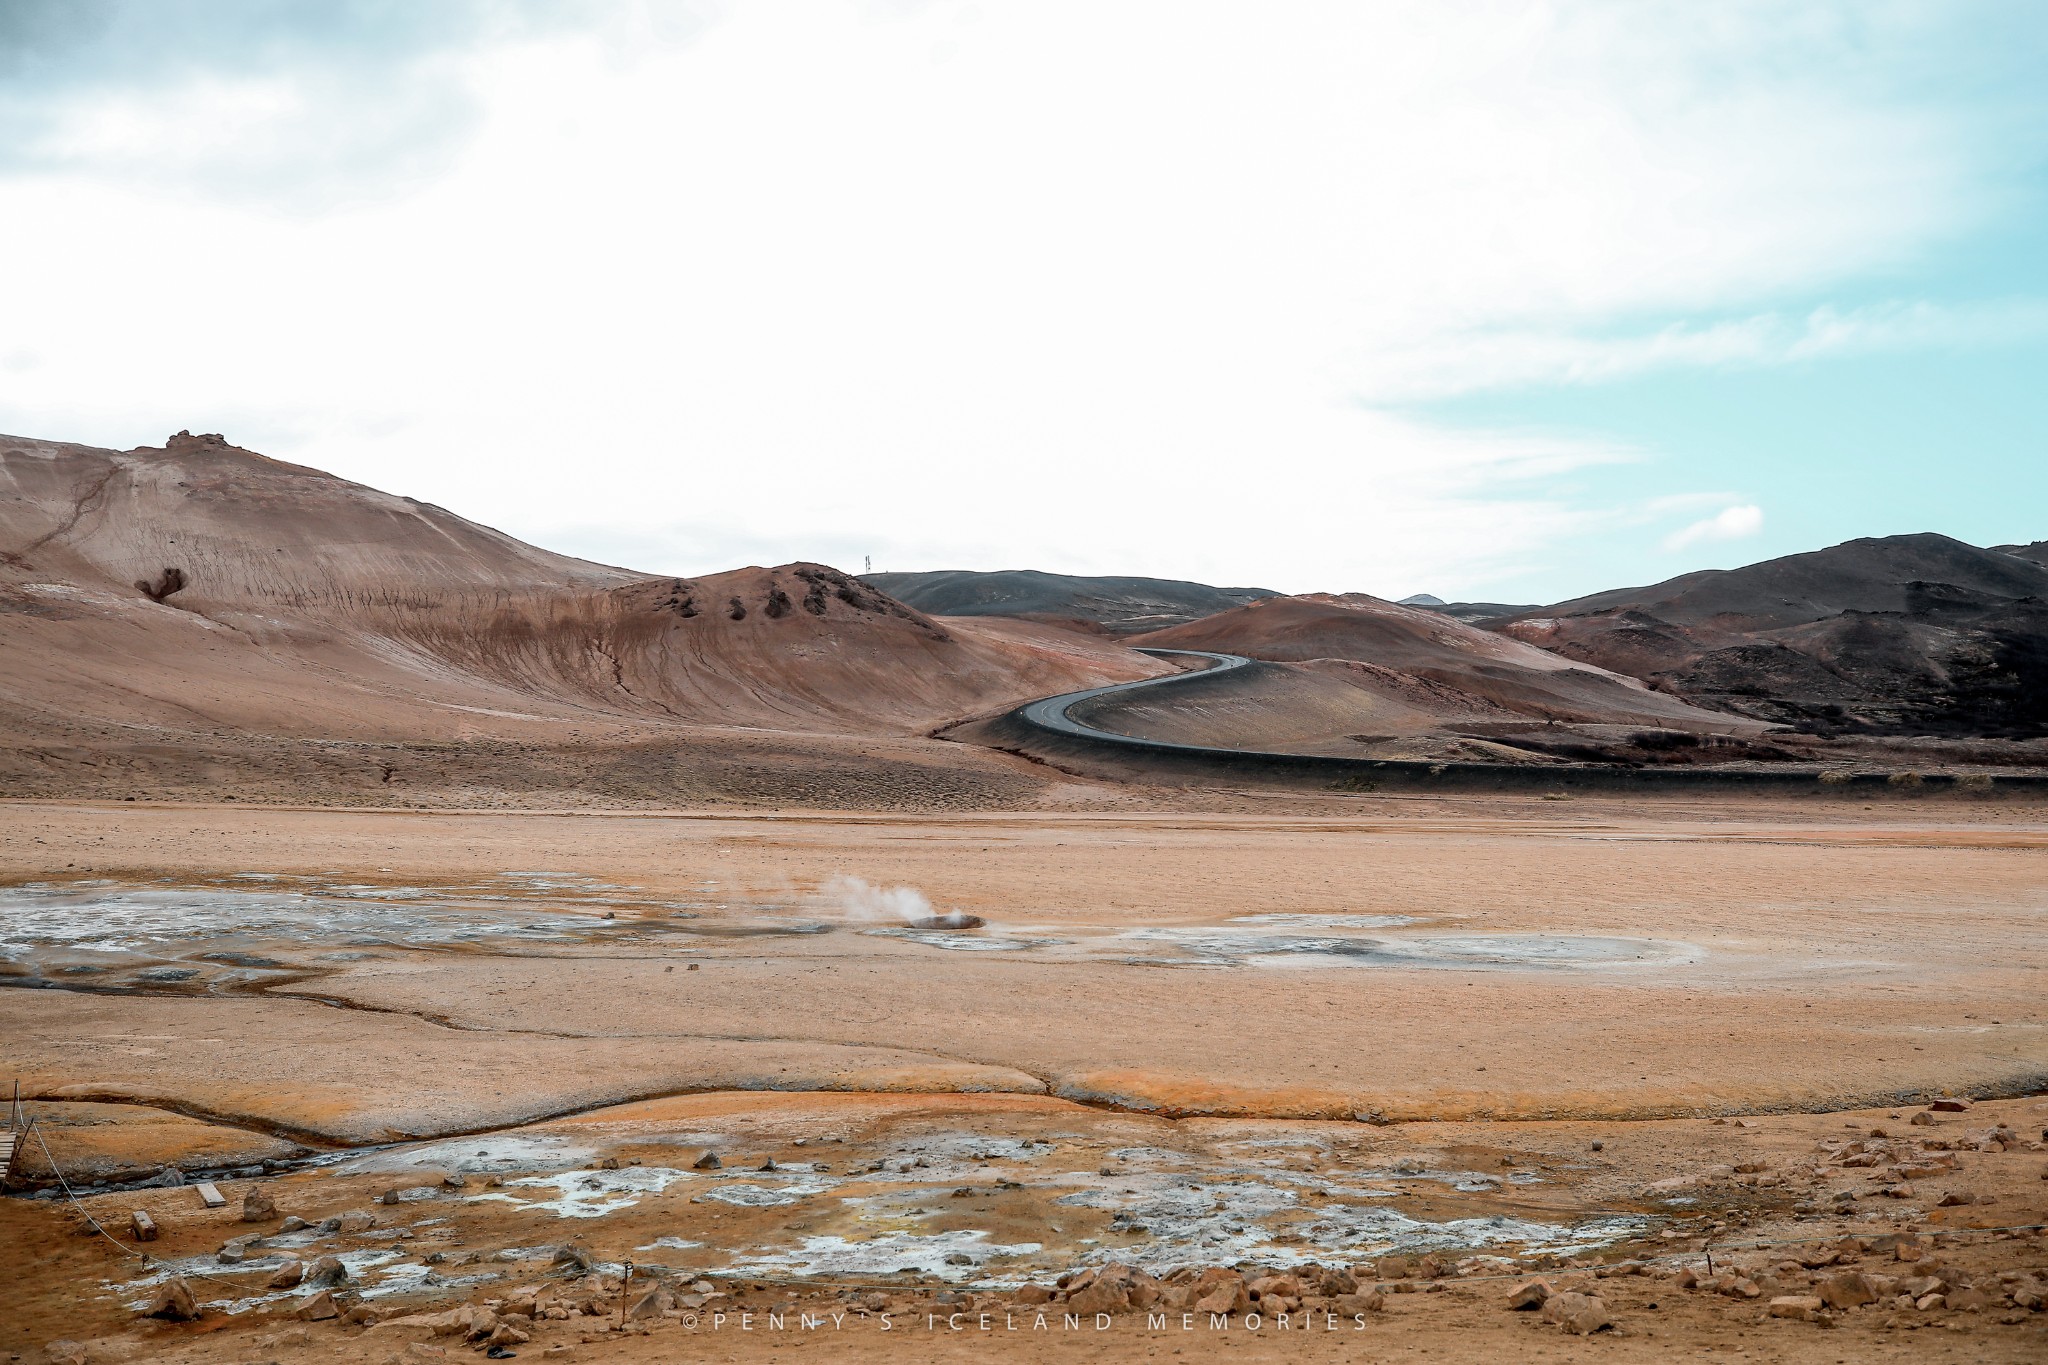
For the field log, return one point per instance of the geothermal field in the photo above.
(420, 946)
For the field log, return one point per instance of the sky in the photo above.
(1500, 301)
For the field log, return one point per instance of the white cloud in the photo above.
(1730, 523)
(1077, 286)
(1461, 362)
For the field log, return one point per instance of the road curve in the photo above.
(1045, 728)
(1051, 712)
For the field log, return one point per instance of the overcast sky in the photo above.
(1507, 301)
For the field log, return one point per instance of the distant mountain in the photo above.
(1915, 634)
(1422, 599)
(1122, 606)
(1478, 613)
(2037, 552)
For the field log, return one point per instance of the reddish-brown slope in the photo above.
(304, 605)
(1469, 671)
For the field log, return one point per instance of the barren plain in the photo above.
(1385, 1061)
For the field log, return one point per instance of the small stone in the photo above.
(1950, 1104)
(288, 1274)
(707, 1162)
(293, 1223)
(65, 1352)
(173, 1300)
(1954, 1198)
(1798, 1307)
(355, 1220)
(1220, 1290)
(1923, 1119)
(320, 1307)
(652, 1304)
(326, 1270)
(237, 1249)
(257, 1207)
(454, 1180)
(1578, 1314)
(1850, 1290)
(1530, 1296)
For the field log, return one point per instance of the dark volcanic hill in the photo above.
(1123, 606)
(1914, 634)
(2037, 552)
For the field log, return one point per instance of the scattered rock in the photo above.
(173, 1300)
(652, 1304)
(1578, 1314)
(320, 1307)
(1949, 1104)
(257, 1207)
(326, 1270)
(1850, 1290)
(65, 1352)
(1798, 1307)
(355, 1220)
(575, 1256)
(707, 1162)
(288, 1274)
(1530, 1296)
(1220, 1291)
(1923, 1119)
(237, 1249)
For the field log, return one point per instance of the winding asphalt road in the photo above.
(1050, 717)
(1051, 712)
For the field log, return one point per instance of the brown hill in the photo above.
(1898, 634)
(1120, 606)
(200, 596)
(1399, 680)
